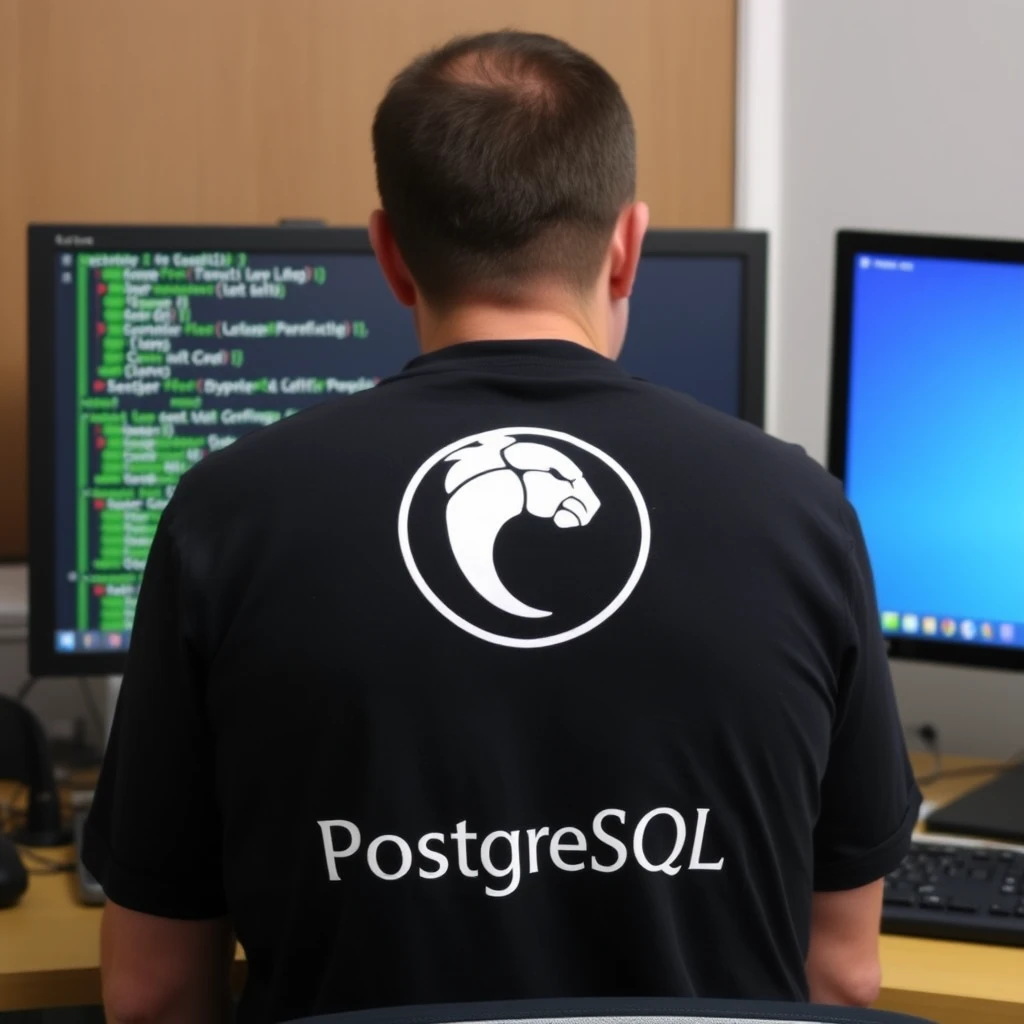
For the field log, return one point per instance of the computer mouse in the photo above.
(13, 876)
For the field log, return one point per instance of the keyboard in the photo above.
(968, 893)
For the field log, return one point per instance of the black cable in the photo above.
(929, 737)
(47, 866)
(26, 688)
(972, 769)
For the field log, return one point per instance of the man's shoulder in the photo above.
(281, 453)
(733, 444)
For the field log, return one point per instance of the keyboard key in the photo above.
(979, 874)
(981, 855)
(963, 906)
(1007, 855)
(898, 899)
(932, 902)
(1003, 908)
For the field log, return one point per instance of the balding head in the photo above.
(503, 159)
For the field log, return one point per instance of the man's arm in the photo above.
(157, 970)
(868, 802)
(153, 838)
(842, 962)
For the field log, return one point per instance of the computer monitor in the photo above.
(697, 318)
(927, 434)
(152, 346)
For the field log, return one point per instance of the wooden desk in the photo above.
(50, 943)
(952, 982)
(49, 953)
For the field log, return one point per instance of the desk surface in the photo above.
(49, 953)
(952, 982)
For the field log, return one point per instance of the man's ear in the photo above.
(396, 273)
(627, 243)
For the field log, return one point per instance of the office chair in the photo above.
(617, 1011)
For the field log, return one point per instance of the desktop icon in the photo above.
(948, 628)
(865, 262)
(65, 640)
(987, 632)
(929, 625)
(968, 629)
(1006, 632)
(911, 623)
(891, 622)
(88, 639)
(113, 641)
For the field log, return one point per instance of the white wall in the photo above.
(906, 115)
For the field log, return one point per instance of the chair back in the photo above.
(617, 1011)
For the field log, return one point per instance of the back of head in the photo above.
(503, 159)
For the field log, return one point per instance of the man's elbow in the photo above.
(863, 986)
(847, 984)
(130, 999)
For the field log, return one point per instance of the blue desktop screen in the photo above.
(935, 443)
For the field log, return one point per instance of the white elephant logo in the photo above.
(488, 479)
(496, 479)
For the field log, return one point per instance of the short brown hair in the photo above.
(502, 158)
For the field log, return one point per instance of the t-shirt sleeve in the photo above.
(153, 836)
(869, 799)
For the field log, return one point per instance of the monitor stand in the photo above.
(992, 811)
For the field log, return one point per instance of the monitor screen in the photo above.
(934, 443)
(686, 327)
(151, 348)
(164, 356)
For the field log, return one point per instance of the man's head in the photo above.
(506, 165)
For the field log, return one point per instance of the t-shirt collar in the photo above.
(476, 353)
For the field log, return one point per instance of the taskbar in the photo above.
(952, 629)
(89, 641)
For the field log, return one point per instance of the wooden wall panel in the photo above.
(246, 111)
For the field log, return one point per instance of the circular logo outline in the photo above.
(524, 642)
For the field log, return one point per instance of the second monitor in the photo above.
(150, 347)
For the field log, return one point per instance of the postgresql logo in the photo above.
(658, 841)
(523, 536)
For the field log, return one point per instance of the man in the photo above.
(514, 677)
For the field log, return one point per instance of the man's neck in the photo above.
(485, 322)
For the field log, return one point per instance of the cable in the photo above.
(47, 866)
(26, 688)
(929, 737)
(973, 769)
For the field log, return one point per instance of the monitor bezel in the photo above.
(752, 248)
(43, 247)
(849, 245)
(749, 246)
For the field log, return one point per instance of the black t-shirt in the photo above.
(512, 677)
